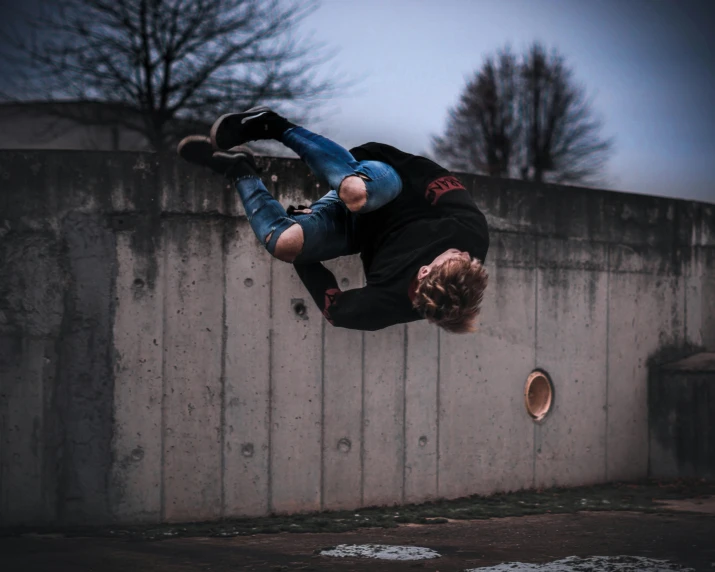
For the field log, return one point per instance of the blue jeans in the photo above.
(330, 230)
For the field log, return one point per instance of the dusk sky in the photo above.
(649, 64)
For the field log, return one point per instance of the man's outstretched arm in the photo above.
(357, 309)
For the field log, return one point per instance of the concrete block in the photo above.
(32, 284)
(296, 383)
(192, 369)
(84, 384)
(570, 443)
(136, 486)
(681, 407)
(133, 182)
(644, 260)
(704, 227)
(187, 189)
(571, 254)
(421, 416)
(247, 374)
(485, 434)
(707, 312)
(581, 213)
(51, 184)
(511, 250)
(695, 319)
(22, 431)
(646, 314)
(642, 220)
(705, 257)
(700, 297)
(342, 401)
(384, 421)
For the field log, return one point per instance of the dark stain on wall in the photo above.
(681, 408)
(84, 382)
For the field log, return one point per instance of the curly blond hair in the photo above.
(451, 294)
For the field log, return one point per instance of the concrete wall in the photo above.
(152, 366)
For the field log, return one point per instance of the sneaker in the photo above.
(256, 123)
(197, 149)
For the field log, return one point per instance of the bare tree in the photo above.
(525, 119)
(170, 64)
(561, 134)
(483, 129)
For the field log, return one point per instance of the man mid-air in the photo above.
(419, 233)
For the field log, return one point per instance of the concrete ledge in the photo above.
(698, 363)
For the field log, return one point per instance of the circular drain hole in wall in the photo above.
(538, 394)
(380, 551)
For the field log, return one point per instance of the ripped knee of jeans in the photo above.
(285, 242)
(378, 193)
(353, 192)
(275, 232)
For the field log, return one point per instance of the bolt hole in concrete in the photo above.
(248, 282)
(380, 552)
(538, 394)
(299, 307)
(589, 564)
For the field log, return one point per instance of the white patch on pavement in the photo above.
(381, 551)
(591, 564)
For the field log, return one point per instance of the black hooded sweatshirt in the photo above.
(432, 213)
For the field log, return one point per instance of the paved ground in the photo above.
(685, 539)
(672, 522)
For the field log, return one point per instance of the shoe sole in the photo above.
(197, 150)
(199, 142)
(221, 130)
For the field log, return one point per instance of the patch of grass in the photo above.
(641, 496)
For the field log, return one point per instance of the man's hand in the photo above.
(299, 210)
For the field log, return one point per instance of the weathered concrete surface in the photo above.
(684, 540)
(645, 314)
(484, 428)
(247, 360)
(153, 365)
(136, 488)
(193, 381)
(342, 413)
(384, 416)
(571, 339)
(421, 413)
(296, 392)
(681, 403)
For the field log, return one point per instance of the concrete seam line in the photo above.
(162, 485)
(536, 350)
(439, 404)
(269, 463)
(608, 353)
(322, 414)
(362, 421)
(224, 335)
(404, 412)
